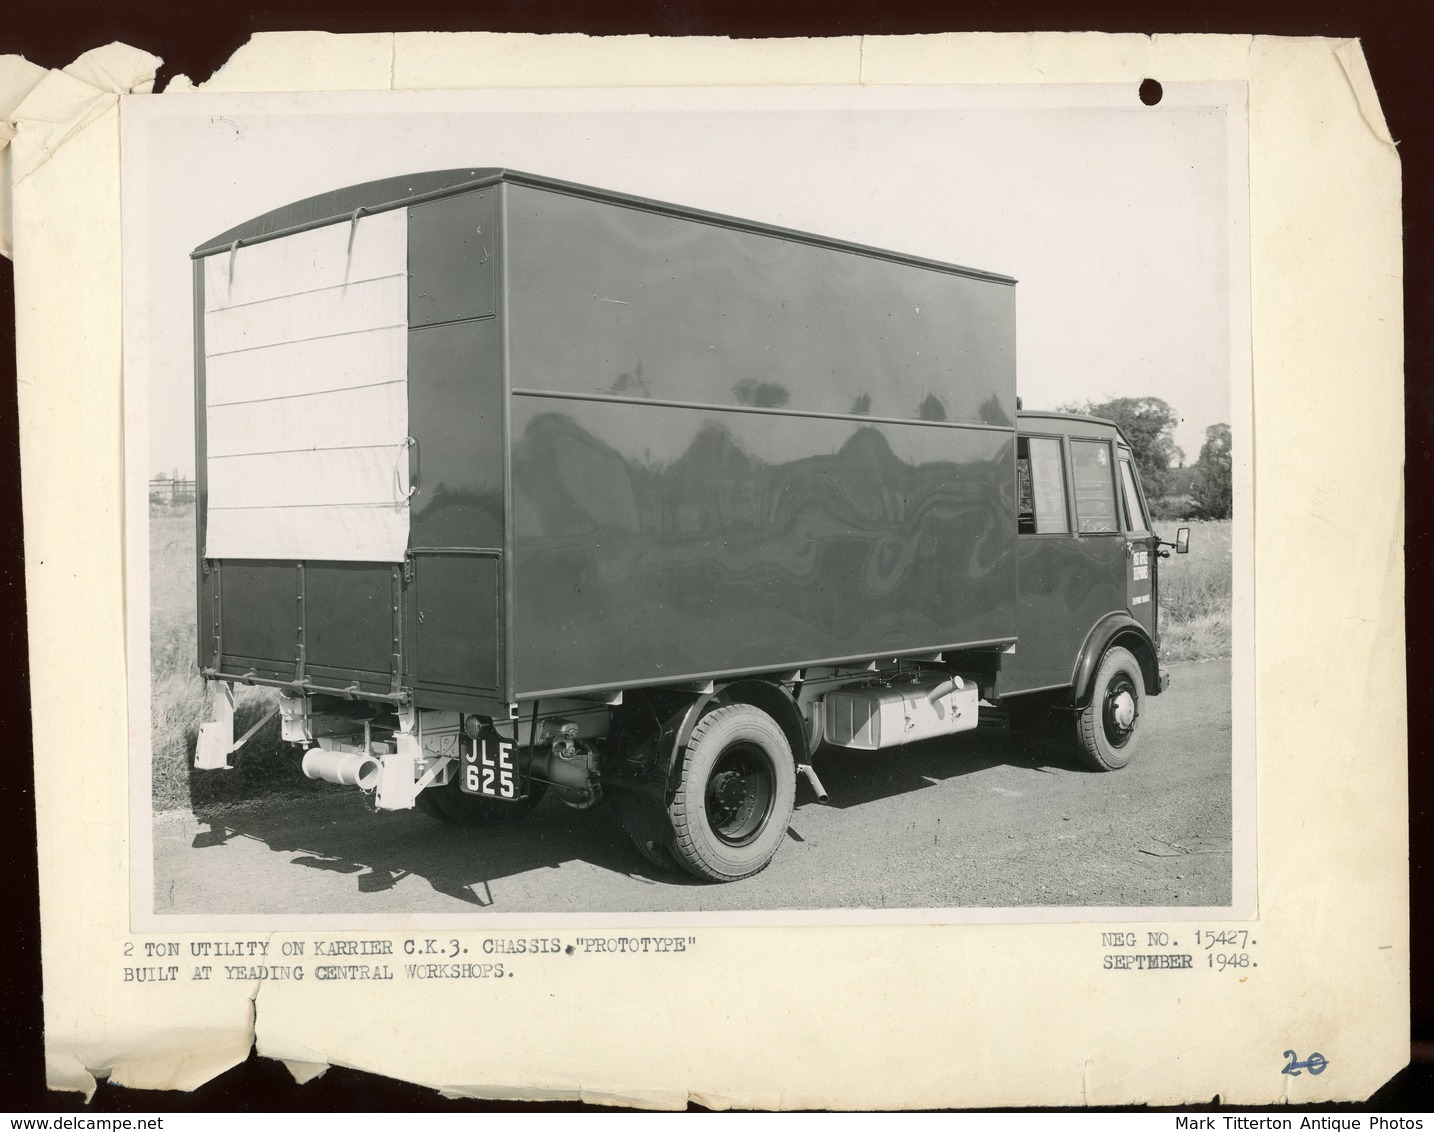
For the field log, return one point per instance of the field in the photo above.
(180, 701)
(1194, 621)
(1195, 594)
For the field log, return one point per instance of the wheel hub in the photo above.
(1120, 711)
(739, 794)
(729, 790)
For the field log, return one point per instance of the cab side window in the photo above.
(1135, 520)
(1040, 487)
(1094, 487)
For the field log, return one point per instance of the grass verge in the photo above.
(1195, 595)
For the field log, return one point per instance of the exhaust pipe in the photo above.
(816, 783)
(343, 768)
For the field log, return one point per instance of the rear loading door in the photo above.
(302, 421)
(351, 503)
(332, 623)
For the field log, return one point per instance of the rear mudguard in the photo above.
(642, 784)
(637, 782)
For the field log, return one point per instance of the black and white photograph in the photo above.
(711, 506)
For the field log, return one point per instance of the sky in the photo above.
(1124, 224)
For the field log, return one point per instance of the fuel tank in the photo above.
(882, 716)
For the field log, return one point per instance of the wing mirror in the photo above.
(1181, 543)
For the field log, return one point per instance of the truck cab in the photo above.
(1088, 585)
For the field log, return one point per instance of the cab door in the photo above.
(1141, 592)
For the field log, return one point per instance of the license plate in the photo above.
(489, 769)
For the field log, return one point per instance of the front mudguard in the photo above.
(1115, 629)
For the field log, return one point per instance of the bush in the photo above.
(1214, 483)
(1173, 508)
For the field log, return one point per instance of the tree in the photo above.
(1214, 482)
(1149, 424)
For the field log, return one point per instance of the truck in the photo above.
(512, 486)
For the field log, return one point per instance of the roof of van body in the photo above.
(399, 192)
(1067, 424)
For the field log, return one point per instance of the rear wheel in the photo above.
(735, 794)
(449, 804)
(655, 853)
(1108, 730)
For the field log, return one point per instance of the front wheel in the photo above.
(1108, 730)
(735, 794)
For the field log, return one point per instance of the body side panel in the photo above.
(654, 541)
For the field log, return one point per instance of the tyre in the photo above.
(449, 804)
(655, 853)
(1108, 730)
(735, 793)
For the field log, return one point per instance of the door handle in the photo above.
(407, 443)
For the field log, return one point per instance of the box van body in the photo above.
(511, 485)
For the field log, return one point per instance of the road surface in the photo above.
(970, 821)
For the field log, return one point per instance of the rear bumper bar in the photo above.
(306, 687)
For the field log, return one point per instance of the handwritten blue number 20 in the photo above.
(1315, 1063)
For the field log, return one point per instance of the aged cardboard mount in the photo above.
(927, 1015)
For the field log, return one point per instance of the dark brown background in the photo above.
(195, 38)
